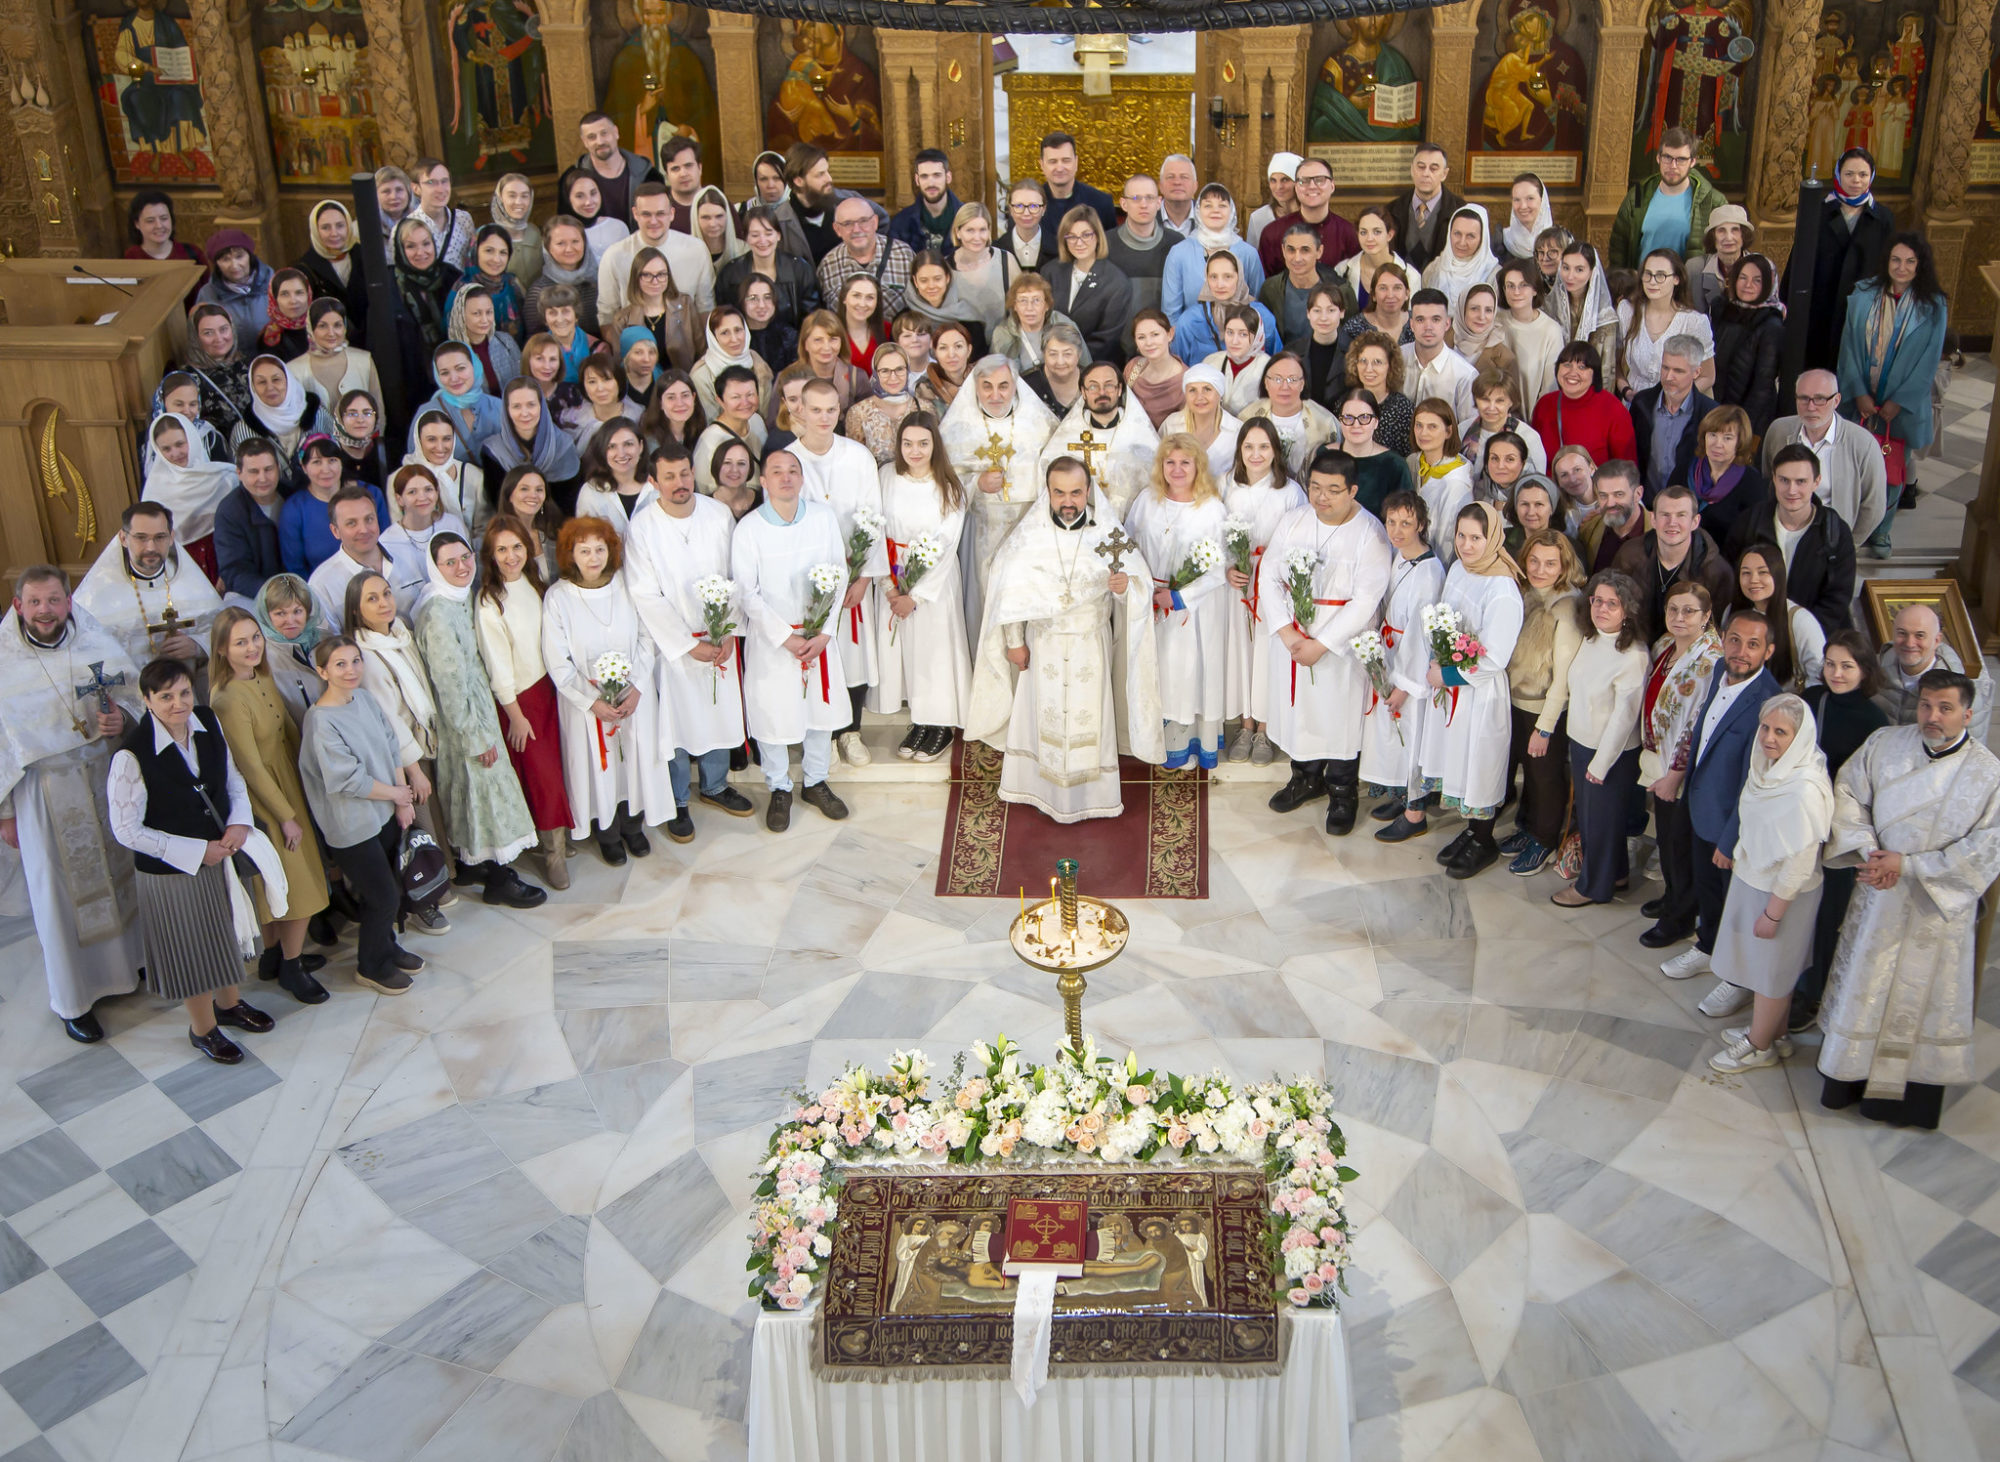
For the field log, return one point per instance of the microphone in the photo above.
(99, 279)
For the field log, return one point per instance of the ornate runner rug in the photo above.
(1157, 848)
(1179, 1282)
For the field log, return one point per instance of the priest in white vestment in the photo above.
(670, 547)
(791, 681)
(994, 434)
(1917, 811)
(1316, 692)
(1065, 677)
(56, 742)
(1121, 444)
(923, 657)
(148, 595)
(844, 475)
(1174, 522)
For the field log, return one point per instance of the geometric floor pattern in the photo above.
(501, 1216)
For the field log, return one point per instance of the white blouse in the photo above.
(1642, 347)
(510, 640)
(127, 798)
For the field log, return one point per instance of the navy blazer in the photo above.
(246, 544)
(1716, 776)
(1643, 404)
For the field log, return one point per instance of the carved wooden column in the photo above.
(226, 110)
(1226, 157)
(1448, 102)
(1274, 63)
(1777, 162)
(1954, 112)
(389, 74)
(739, 94)
(907, 61)
(572, 86)
(61, 163)
(1614, 100)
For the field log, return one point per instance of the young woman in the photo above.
(1259, 491)
(472, 323)
(361, 800)
(1538, 695)
(329, 366)
(1549, 246)
(951, 347)
(512, 204)
(1581, 302)
(1203, 417)
(1210, 231)
(480, 802)
(1392, 729)
(728, 334)
(1241, 359)
(1766, 937)
(1798, 643)
(1531, 333)
(1580, 411)
(357, 431)
(614, 485)
(292, 626)
(1198, 330)
(288, 303)
(604, 398)
(219, 368)
(638, 367)
(461, 486)
(510, 646)
(1528, 215)
(1575, 472)
(657, 306)
(873, 420)
(491, 268)
(1723, 475)
(420, 518)
(1476, 332)
(1677, 684)
(1464, 751)
(179, 474)
(566, 261)
(1438, 467)
(178, 802)
(715, 226)
(523, 496)
(263, 742)
(1058, 380)
(1030, 311)
(1095, 294)
(1467, 258)
(1749, 328)
(179, 394)
(423, 286)
(911, 331)
(1320, 348)
(329, 261)
(614, 767)
(735, 475)
(793, 285)
(933, 299)
(859, 309)
(529, 435)
(283, 413)
(1376, 231)
(676, 414)
(1607, 683)
(1378, 471)
(1375, 364)
(1155, 374)
(1656, 312)
(1192, 622)
(473, 414)
(923, 662)
(1889, 352)
(583, 201)
(149, 227)
(982, 274)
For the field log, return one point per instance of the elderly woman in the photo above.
(1677, 682)
(1058, 380)
(1030, 311)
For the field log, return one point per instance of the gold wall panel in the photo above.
(1144, 119)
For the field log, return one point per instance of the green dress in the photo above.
(487, 817)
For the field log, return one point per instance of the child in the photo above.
(1416, 579)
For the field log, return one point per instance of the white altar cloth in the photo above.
(1299, 1416)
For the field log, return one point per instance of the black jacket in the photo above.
(1820, 578)
(1101, 309)
(1044, 256)
(353, 294)
(797, 287)
(1642, 433)
(1419, 254)
(246, 545)
(1845, 258)
(1749, 343)
(1081, 194)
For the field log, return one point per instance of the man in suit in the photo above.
(1819, 558)
(1853, 480)
(1421, 216)
(1666, 419)
(1720, 764)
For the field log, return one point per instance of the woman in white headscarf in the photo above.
(1766, 938)
(1529, 214)
(1581, 301)
(1467, 258)
(728, 335)
(1204, 417)
(715, 225)
(180, 476)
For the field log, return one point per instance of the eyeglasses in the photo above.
(1681, 159)
(1082, 236)
(1315, 181)
(1657, 276)
(1026, 207)
(1347, 420)
(654, 276)
(1130, 200)
(1271, 380)
(1818, 400)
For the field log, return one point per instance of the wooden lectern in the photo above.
(78, 363)
(1979, 549)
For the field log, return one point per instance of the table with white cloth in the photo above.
(1300, 1415)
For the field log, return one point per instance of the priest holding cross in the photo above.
(994, 434)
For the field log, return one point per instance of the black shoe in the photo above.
(634, 835)
(1653, 908)
(83, 1028)
(297, 981)
(680, 827)
(1343, 804)
(391, 981)
(730, 801)
(937, 741)
(244, 1017)
(739, 760)
(267, 962)
(311, 963)
(1803, 1017)
(1304, 787)
(1477, 858)
(778, 816)
(409, 964)
(322, 930)
(217, 1047)
(1449, 853)
(1663, 934)
(1384, 811)
(822, 796)
(505, 886)
(611, 850)
(912, 739)
(1402, 830)
(472, 875)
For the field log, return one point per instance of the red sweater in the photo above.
(1599, 424)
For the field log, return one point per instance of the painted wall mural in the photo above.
(149, 95)
(660, 81)
(1530, 110)
(1700, 75)
(494, 106)
(1870, 65)
(313, 59)
(821, 86)
(1369, 89)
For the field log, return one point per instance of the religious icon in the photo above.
(1823, 114)
(318, 91)
(661, 84)
(149, 93)
(495, 112)
(1367, 90)
(1870, 66)
(828, 96)
(1536, 97)
(1697, 78)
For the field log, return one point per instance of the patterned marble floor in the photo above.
(500, 1217)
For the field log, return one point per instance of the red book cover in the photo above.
(1047, 1231)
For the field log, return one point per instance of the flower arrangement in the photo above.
(923, 555)
(1374, 657)
(613, 674)
(869, 526)
(1452, 647)
(1242, 556)
(1203, 557)
(1082, 1108)
(1301, 564)
(715, 595)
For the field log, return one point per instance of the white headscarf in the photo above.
(1787, 804)
(1226, 237)
(732, 241)
(192, 493)
(1470, 343)
(1520, 239)
(1204, 375)
(1454, 275)
(1598, 309)
(287, 414)
(719, 360)
(438, 584)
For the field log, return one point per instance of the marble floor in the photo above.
(500, 1217)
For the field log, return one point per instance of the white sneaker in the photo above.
(1686, 965)
(1724, 999)
(853, 750)
(1745, 1057)
(1739, 1035)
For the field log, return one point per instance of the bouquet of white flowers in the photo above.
(716, 594)
(922, 556)
(1452, 647)
(1374, 657)
(1242, 555)
(612, 673)
(869, 526)
(1203, 557)
(825, 581)
(1301, 564)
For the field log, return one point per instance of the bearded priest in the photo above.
(152, 597)
(1066, 677)
(994, 434)
(1122, 443)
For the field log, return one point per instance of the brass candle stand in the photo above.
(1069, 934)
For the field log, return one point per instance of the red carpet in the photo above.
(1156, 849)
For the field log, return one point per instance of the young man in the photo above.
(1818, 549)
(680, 157)
(618, 170)
(1669, 210)
(1140, 244)
(926, 223)
(1061, 188)
(130, 589)
(686, 255)
(1675, 550)
(246, 523)
(666, 554)
(452, 227)
(863, 250)
(1420, 217)
(1852, 479)
(1431, 368)
(1337, 238)
(351, 511)
(1667, 418)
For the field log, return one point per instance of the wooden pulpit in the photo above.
(78, 363)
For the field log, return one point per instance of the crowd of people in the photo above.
(677, 484)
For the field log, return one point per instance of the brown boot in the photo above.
(555, 858)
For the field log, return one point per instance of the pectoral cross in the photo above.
(169, 625)
(100, 685)
(996, 454)
(1114, 546)
(1090, 446)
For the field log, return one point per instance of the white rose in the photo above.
(1299, 1262)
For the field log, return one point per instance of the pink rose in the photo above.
(792, 1301)
(1314, 1284)
(1329, 1272)
(1298, 1297)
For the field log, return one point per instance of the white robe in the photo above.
(1444, 496)
(664, 557)
(1192, 642)
(1221, 451)
(578, 625)
(1465, 746)
(1898, 1002)
(53, 783)
(923, 659)
(782, 701)
(1244, 388)
(1263, 506)
(1121, 472)
(1091, 687)
(124, 605)
(1387, 758)
(966, 429)
(1302, 435)
(599, 502)
(1315, 712)
(847, 479)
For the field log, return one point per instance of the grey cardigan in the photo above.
(343, 752)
